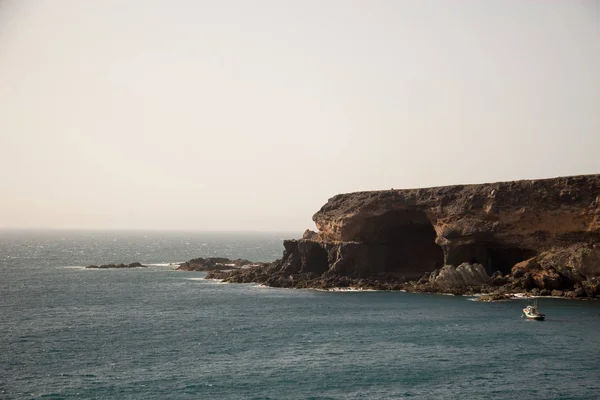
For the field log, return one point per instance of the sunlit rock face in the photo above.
(497, 225)
(464, 275)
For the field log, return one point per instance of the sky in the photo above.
(249, 115)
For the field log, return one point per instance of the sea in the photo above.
(67, 332)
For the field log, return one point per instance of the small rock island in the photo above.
(214, 264)
(540, 237)
(117, 266)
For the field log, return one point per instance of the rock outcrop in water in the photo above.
(532, 235)
(117, 266)
(214, 264)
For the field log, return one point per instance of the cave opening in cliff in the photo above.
(493, 256)
(403, 243)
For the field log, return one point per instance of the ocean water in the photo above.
(71, 333)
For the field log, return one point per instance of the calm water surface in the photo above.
(155, 333)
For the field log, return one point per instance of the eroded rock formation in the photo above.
(529, 234)
(496, 225)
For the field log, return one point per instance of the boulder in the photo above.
(464, 275)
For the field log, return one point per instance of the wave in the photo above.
(514, 296)
(261, 286)
(169, 264)
(521, 296)
(216, 281)
(72, 266)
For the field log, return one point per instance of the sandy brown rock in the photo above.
(496, 224)
(464, 275)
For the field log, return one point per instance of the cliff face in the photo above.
(524, 235)
(496, 225)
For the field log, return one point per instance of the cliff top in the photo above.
(557, 190)
(554, 206)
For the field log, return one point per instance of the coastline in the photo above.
(539, 237)
(494, 240)
(479, 296)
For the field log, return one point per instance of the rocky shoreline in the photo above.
(464, 280)
(555, 274)
(538, 237)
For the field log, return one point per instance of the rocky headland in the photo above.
(540, 237)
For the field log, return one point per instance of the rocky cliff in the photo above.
(506, 230)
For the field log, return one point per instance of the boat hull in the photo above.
(535, 317)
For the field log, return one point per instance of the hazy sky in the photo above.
(249, 115)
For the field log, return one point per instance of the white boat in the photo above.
(532, 312)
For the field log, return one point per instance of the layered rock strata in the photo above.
(526, 235)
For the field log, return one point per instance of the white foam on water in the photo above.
(73, 266)
(214, 281)
(518, 296)
(162, 264)
(347, 289)
(261, 286)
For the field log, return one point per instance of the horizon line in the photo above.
(7, 228)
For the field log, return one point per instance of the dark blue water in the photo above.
(160, 334)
